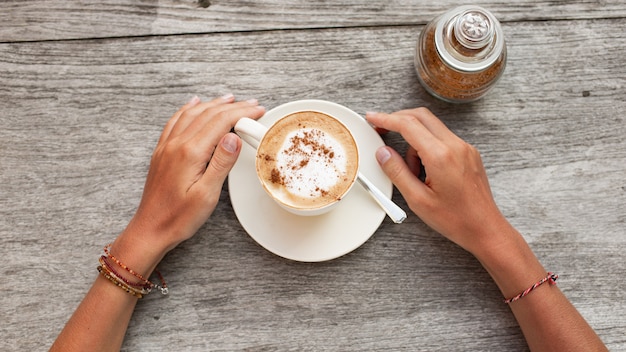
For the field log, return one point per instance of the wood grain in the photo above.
(80, 118)
(58, 19)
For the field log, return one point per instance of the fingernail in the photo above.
(228, 97)
(382, 155)
(252, 101)
(194, 100)
(229, 143)
(370, 114)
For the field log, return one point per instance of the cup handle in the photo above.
(250, 131)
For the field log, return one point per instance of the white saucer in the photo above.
(311, 238)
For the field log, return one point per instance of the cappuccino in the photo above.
(307, 160)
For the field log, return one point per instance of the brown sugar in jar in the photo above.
(461, 54)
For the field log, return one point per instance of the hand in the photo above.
(455, 199)
(190, 163)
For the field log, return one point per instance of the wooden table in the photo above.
(86, 88)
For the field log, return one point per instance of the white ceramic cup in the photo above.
(253, 133)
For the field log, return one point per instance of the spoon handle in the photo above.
(392, 209)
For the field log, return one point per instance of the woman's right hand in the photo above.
(455, 199)
(188, 167)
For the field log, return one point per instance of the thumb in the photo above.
(400, 174)
(222, 162)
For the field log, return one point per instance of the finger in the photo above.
(222, 101)
(195, 112)
(430, 121)
(206, 137)
(221, 163)
(170, 124)
(401, 175)
(411, 129)
(226, 112)
(414, 162)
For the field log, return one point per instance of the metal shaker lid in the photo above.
(474, 28)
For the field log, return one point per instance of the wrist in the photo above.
(510, 261)
(137, 252)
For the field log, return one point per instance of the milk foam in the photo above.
(315, 160)
(307, 160)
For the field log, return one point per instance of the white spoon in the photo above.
(394, 212)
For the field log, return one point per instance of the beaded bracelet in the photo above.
(162, 287)
(105, 263)
(142, 288)
(127, 289)
(550, 277)
(122, 284)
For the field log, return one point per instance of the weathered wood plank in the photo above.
(59, 19)
(80, 119)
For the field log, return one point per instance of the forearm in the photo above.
(547, 318)
(100, 321)
(455, 200)
(188, 167)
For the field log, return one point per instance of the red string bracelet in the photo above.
(162, 287)
(550, 277)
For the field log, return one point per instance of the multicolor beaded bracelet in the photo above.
(143, 288)
(162, 287)
(550, 277)
(127, 289)
(121, 283)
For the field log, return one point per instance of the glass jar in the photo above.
(461, 54)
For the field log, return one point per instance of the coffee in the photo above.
(307, 160)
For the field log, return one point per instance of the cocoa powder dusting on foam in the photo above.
(323, 192)
(276, 177)
(304, 147)
(303, 164)
(309, 139)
